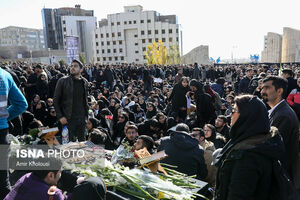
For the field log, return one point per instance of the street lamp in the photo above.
(30, 56)
(49, 55)
(233, 47)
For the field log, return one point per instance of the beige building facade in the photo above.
(290, 39)
(272, 48)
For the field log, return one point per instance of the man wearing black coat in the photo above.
(284, 118)
(292, 83)
(244, 83)
(184, 152)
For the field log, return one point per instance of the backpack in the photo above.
(282, 188)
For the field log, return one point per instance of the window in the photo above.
(143, 40)
(170, 30)
(115, 50)
(108, 50)
(97, 44)
(97, 51)
(150, 40)
(108, 43)
(136, 44)
(64, 22)
(163, 39)
(156, 31)
(96, 35)
(176, 30)
(107, 35)
(170, 39)
(116, 58)
(142, 21)
(163, 31)
(118, 23)
(102, 43)
(103, 51)
(144, 57)
(121, 50)
(119, 34)
(137, 60)
(135, 35)
(112, 24)
(134, 21)
(101, 35)
(98, 58)
(177, 39)
(65, 29)
(156, 39)
(122, 57)
(109, 58)
(113, 35)
(104, 58)
(129, 22)
(125, 22)
(114, 42)
(149, 32)
(136, 51)
(142, 32)
(149, 21)
(120, 41)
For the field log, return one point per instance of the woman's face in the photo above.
(162, 119)
(52, 112)
(89, 125)
(112, 103)
(184, 83)
(207, 132)
(234, 115)
(121, 118)
(141, 101)
(50, 102)
(149, 108)
(36, 99)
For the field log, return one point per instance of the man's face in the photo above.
(131, 134)
(268, 92)
(75, 69)
(138, 144)
(219, 123)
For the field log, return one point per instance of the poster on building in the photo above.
(72, 48)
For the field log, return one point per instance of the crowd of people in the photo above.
(226, 124)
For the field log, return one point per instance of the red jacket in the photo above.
(294, 97)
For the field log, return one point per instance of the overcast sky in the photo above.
(221, 24)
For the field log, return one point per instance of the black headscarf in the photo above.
(91, 189)
(253, 120)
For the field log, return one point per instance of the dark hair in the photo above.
(182, 127)
(131, 127)
(55, 164)
(248, 69)
(278, 82)
(97, 137)
(148, 142)
(153, 122)
(184, 78)
(213, 132)
(202, 134)
(223, 117)
(288, 71)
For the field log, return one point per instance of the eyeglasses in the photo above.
(121, 117)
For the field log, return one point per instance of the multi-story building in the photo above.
(272, 48)
(62, 22)
(33, 39)
(123, 37)
(290, 39)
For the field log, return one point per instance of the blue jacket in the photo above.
(10, 93)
